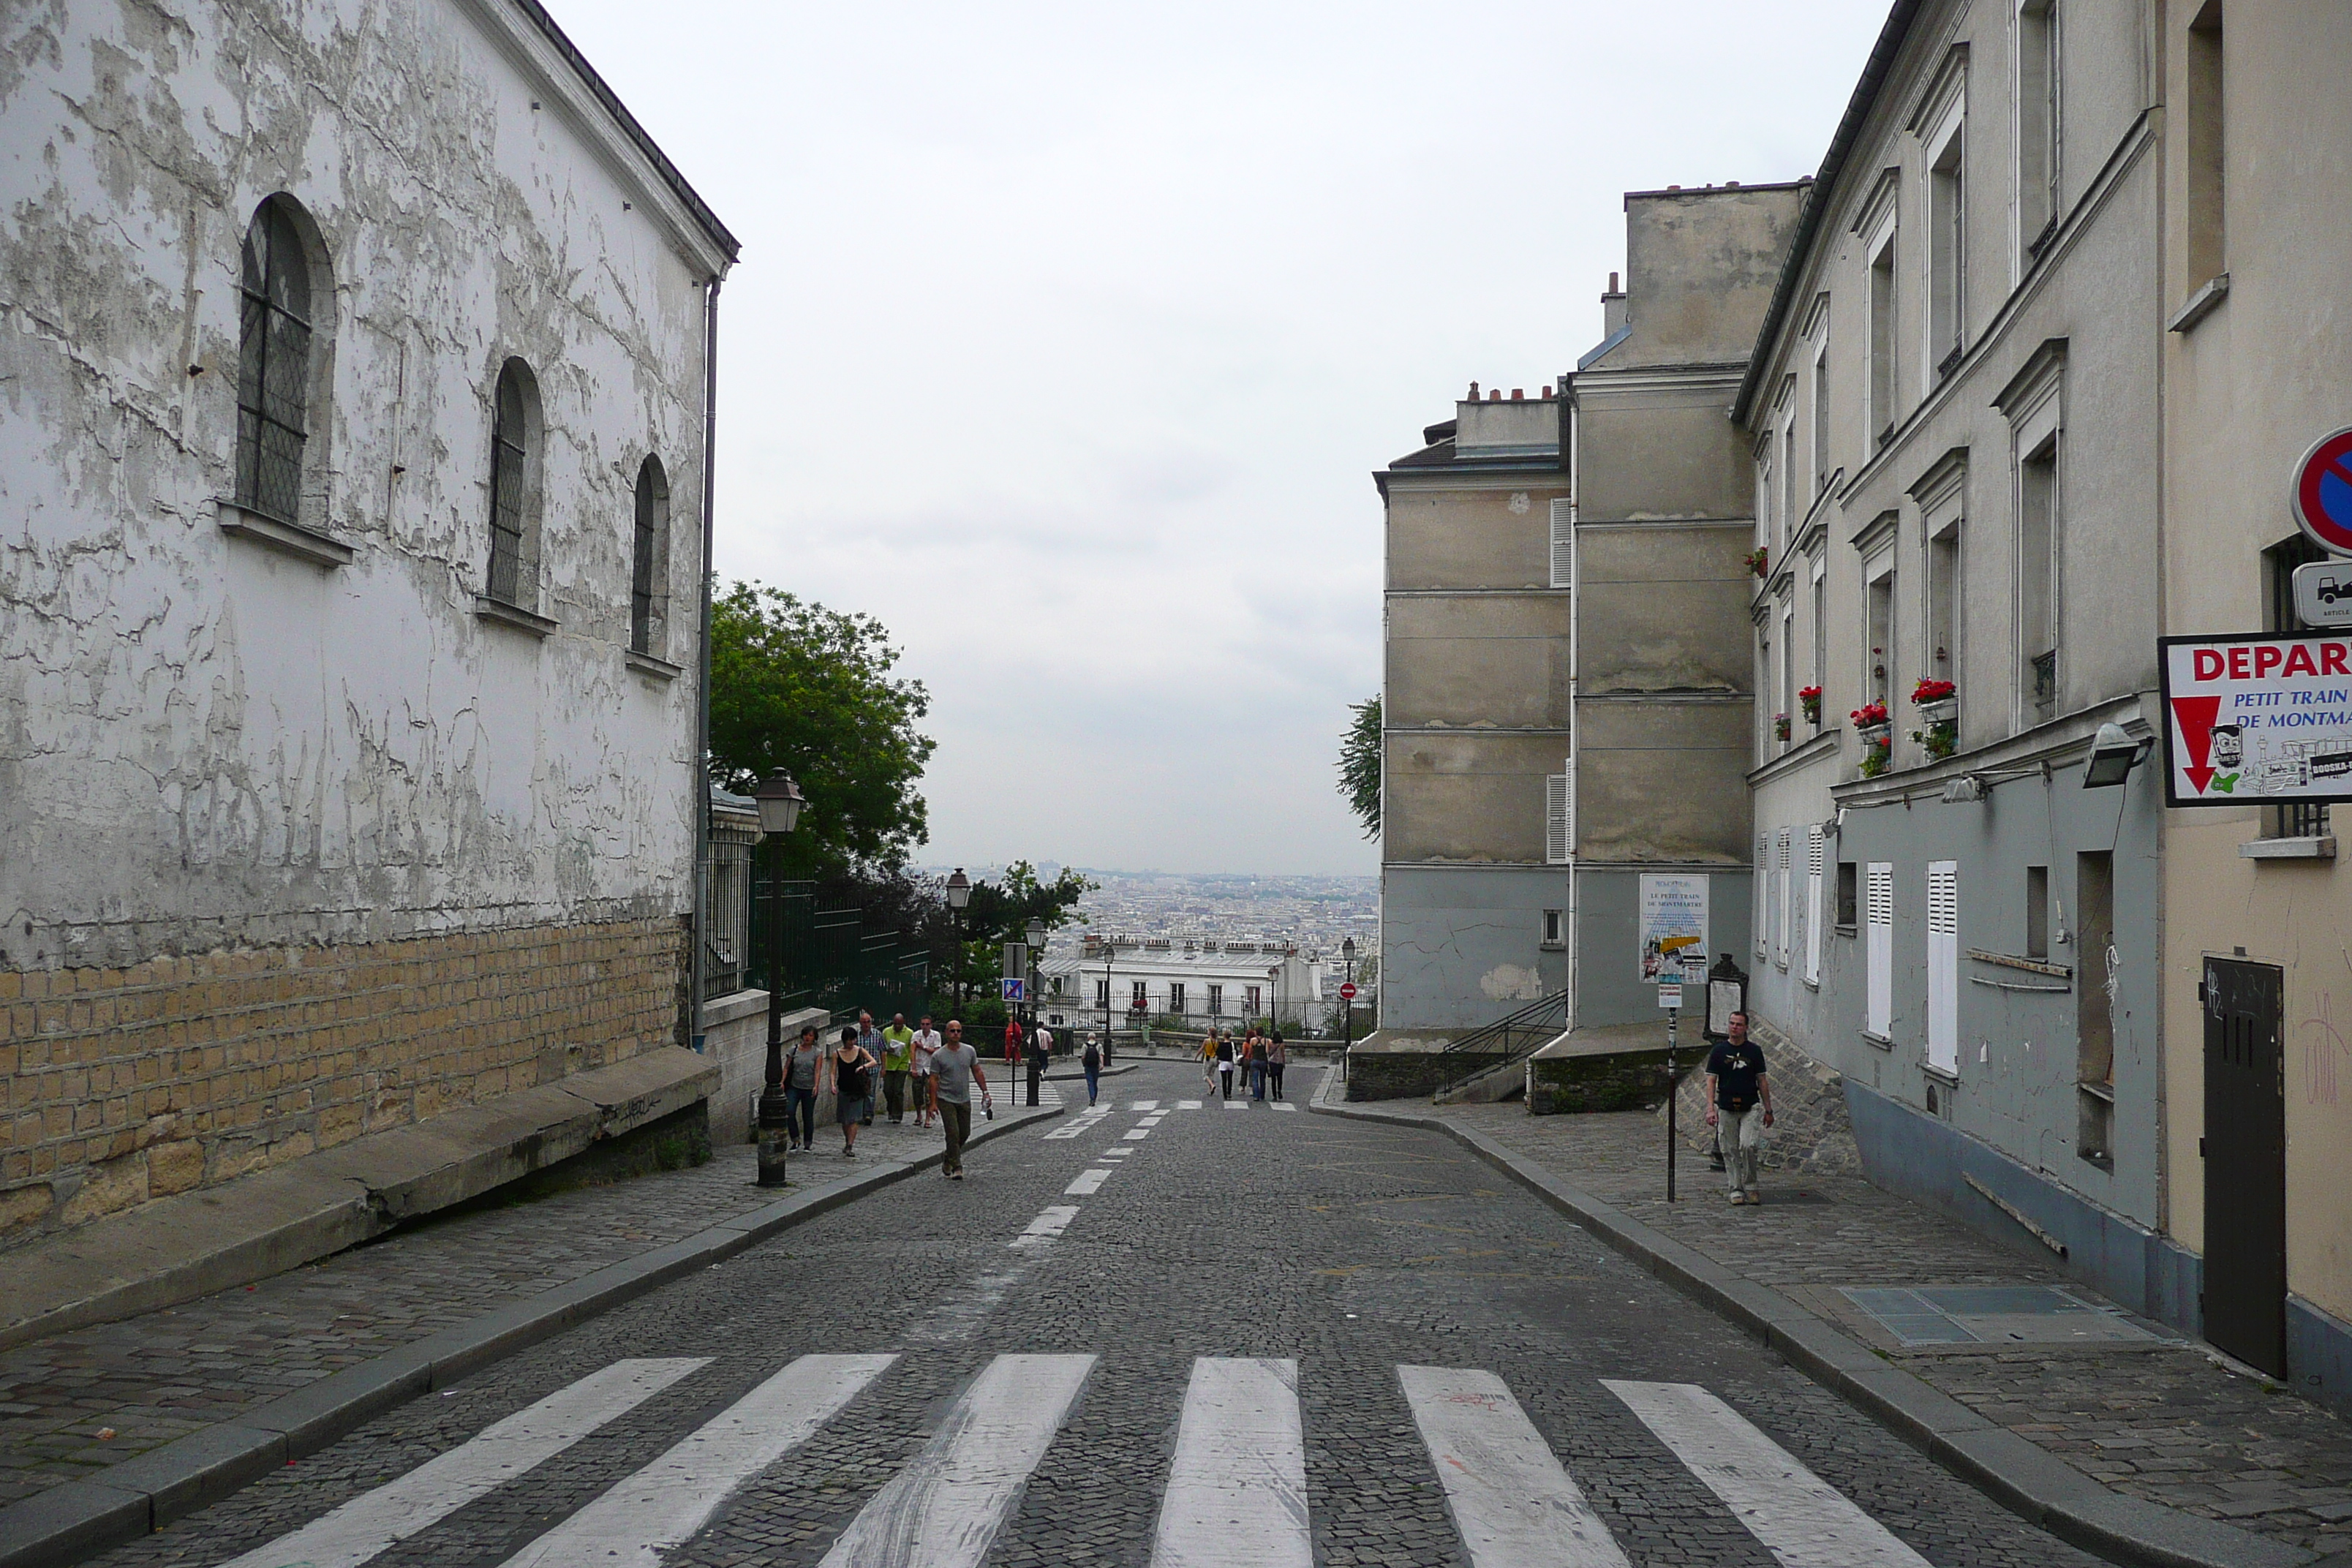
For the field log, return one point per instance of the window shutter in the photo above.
(1944, 965)
(1781, 892)
(1760, 882)
(1816, 854)
(1563, 545)
(1556, 829)
(1878, 911)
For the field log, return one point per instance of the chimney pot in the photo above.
(1518, 394)
(1612, 284)
(1546, 392)
(1731, 184)
(1494, 395)
(1473, 391)
(1673, 187)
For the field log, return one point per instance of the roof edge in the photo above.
(1875, 72)
(638, 136)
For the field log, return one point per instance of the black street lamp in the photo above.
(779, 812)
(1037, 934)
(959, 896)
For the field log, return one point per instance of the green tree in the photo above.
(1360, 763)
(798, 686)
(1000, 912)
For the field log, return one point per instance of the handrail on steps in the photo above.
(1519, 1035)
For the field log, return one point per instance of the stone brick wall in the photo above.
(1613, 1080)
(122, 1085)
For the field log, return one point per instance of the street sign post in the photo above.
(2321, 495)
(2254, 719)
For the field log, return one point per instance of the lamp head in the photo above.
(1037, 934)
(1347, 950)
(958, 890)
(780, 803)
(2114, 754)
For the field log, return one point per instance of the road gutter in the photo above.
(77, 1519)
(2028, 1480)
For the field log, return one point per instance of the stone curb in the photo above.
(2036, 1485)
(77, 1519)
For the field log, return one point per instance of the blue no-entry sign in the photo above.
(2323, 492)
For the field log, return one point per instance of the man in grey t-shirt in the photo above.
(955, 1069)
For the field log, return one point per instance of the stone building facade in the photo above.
(351, 544)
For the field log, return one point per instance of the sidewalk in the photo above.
(75, 1405)
(2152, 1416)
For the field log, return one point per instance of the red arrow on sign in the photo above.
(2195, 715)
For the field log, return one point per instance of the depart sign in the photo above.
(2256, 718)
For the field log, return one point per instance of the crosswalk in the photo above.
(1234, 1494)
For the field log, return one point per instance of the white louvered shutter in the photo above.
(1781, 892)
(1762, 881)
(1944, 965)
(1555, 809)
(1878, 911)
(1816, 854)
(1563, 545)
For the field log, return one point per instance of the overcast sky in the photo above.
(1066, 336)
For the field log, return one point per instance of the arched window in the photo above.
(514, 438)
(649, 560)
(273, 371)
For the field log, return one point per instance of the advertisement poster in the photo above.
(2256, 719)
(1674, 926)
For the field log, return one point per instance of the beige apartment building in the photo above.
(2062, 312)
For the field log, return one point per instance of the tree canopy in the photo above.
(1360, 763)
(798, 686)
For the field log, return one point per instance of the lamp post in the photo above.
(1038, 934)
(779, 812)
(1110, 957)
(959, 896)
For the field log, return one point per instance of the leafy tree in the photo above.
(1360, 763)
(798, 686)
(1000, 913)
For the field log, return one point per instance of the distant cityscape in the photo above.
(1314, 913)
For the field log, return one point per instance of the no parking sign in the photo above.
(2323, 492)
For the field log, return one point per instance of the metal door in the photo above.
(2246, 1163)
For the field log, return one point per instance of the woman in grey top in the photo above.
(801, 1064)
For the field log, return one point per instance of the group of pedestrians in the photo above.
(1258, 1059)
(916, 1071)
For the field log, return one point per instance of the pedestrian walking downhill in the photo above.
(854, 1068)
(928, 1042)
(897, 1060)
(871, 1038)
(803, 1065)
(1740, 1105)
(954, 1070)
(1093, 1062)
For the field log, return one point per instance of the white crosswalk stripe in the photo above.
(1088, 1182)
(1145, 1105)
(1799, 1517)
(1237, 1105)
(1512, 1501)
(1234, 1497)
(1188, 1105)
(664, 1503)
(954, 1496)
(1237, 1493)
(1283, 1105)
(1048, 1224)
(370, 1525)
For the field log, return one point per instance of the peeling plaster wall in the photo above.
(205, 743)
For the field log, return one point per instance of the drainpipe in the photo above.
(701, 770)
(1569, 415)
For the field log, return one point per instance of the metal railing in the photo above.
(1509, 1038)
(832, 961)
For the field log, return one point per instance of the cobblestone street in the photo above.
(1126, 1332)
(2157, 1419)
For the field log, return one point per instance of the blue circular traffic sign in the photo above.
(2323, 492)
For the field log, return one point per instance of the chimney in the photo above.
(1546, 392)
(1518, 394)
(1494, 395)
(1612, 309)
(1473, 391)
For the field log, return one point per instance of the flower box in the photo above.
(1941, 711)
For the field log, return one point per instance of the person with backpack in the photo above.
(1093, 1062)
(1277, 1056)
(853, 1087)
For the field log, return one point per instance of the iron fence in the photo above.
(830, 960)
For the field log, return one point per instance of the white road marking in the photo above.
(1049, 1223)
(1237, 1493)
(663, 1505)
(943, 1511)
(372, 1523)
(1134, 1133)
(1801, 1518)
(1237, 1105)
(1114, 1153)
(1282, 1105)
(1082, 1123)
(1188, 1105)
(1145, 1105)
(1088, 1182)
(1514, 1504)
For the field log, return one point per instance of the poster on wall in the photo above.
(1674, 927)
(2256, 719)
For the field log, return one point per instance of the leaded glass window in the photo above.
(273, 374)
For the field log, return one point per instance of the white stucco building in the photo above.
(352, 537)
(1204, 983)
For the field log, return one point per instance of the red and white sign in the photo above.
(1347, 992)
(2322, 497)
(2256, 718)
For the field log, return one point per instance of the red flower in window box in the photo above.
(1810, 700)
(1868, 715)
(1932, 691)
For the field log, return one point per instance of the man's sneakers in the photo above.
(1750, 1196)
(1738, 1197)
